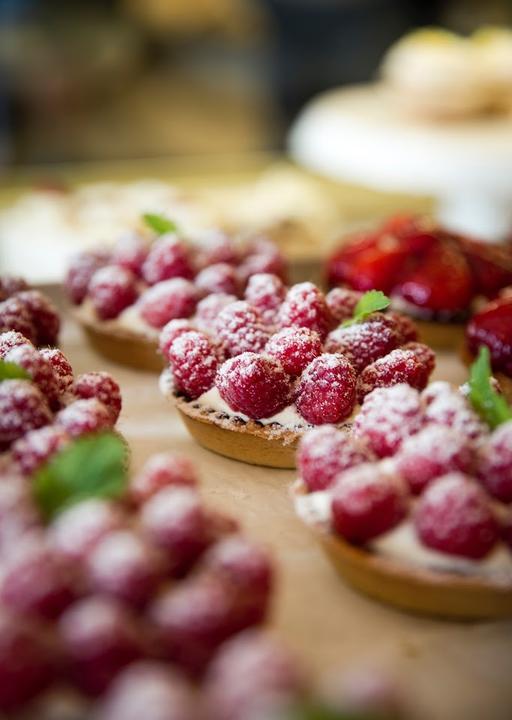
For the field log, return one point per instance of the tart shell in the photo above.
(439, 335)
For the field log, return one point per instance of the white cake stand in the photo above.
(360, 135)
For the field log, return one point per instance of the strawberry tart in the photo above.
(414, 507)
(251, 382)
(124, 296)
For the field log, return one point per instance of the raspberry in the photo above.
(436, 389)
(240, 329)
(84, 416)
(254, 385)
(305, 306)
(433, 452)
(99, 638)
(103, 387)
(11, 285)
(80, 271)
(294, 348)
(11, 339)
(363, 342)
(327, 390)
(324, 452)
(76, 531)
(22, 408)
(112, 289)
(218, 278)
(366, 502)
(266, 293)
(18, 513)
(44, 316)
(168, 258)
(168, 300)
(62, 370)
(451, 409)
(267, 259)
(404, 326)
(130, 252)
(398, 366)
(14, 315)
(39, 369)
(342, 303)
(193, 362)
(495, 463)
(209, 308)
(426, 357)
(170, 332)
(365, 691)
(174, 520)
(387, 417)
(217, 247)
(161, 471)
(36, 447)
(454, 516)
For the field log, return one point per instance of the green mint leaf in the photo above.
(92, 466)
(372, 301)
(315, 711)
(159, 224)
(489, 404)
(11, 371)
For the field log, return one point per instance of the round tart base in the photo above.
(439, 335)
(420, 591)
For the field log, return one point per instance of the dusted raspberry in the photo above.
(11, 339)
(84, 416)
(44, 316)
(160, 471)
(366, 502)
(266, 259)
(112, 289)
(18, 512)
(387, 417)
(216, 247)
(404, 326)
(76, 531)
(193, 361)
(62, 369)
(130, 252)
(168, 300)
(22, 408)
(10, 285)
(294, 348)
(266, 292)
(433, 452)
(209, 308)
(327, 390)
(254, 385)
(219, 278)
(103, 387)
(451, 409)
(398, 366)
(36, 447)
(342, 303)
(99, 638)
(363, 342)
(80, 271)
(324, 452)
(425, 355)
(168, 258)
(14, 315)
(240, 329)
(171, 331)
(454, 516)
(40, 370)
(434, 390)
(305, 306)
(495, 463)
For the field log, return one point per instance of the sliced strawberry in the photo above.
(491, 266)
(493, 327)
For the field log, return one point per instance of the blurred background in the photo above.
(122, 79)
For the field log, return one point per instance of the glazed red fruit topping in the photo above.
(342, 303)
(454, 516)
(10, 285)
(112, 289)
(84, 416)
(15, 316)
(11, 339)
(99, 639)
(168, 258)
(324, 453)
(294, 348)
(327, 390)
(254, 385)
(44, 316)
(22, 408)
(399, 366)
(366, 502)
(168, 300)
(363, 343)
(193, 361)
(305, 306)
(103, 387)
(493, 327)
(495, 463)
(387, 417)
(36, 447)
(81, 269)
(62, 369)
(218, 278)
(433, 452)
(162, 470)
(77, 530)
(40, 370)
(171, 331)
(130, 252)
(209, 308)
(450, 409)
(266, 292)
(240, 329)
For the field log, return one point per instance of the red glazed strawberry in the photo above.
(209, 308)
(399, 366)
(240, 329)
(491, 266)
(44, 316)
(62, 369)
(22, 408)
(10, 285)
(495, 463)
(364, 342)
(112, 289)
(11, 339)
(324, 453)
(366, 502)
(254, 385)
(84, 416)
(454, 516)
(130, 252)
(218, 278)
(493, 327)
(168, 300)
(36, 447)
(14, 315)
(103, 387)
(80, 271)
(342, 303)
(193, 361)
(168, 258)
(327, 390)
(266, 293)
(294, 348)
(77, 530)
(171, 331)
(40, 370)
(162, 470)
(305, 306)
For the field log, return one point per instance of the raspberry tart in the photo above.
(27, 311)
(279, 362)
(126, 295)
(414, 507)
